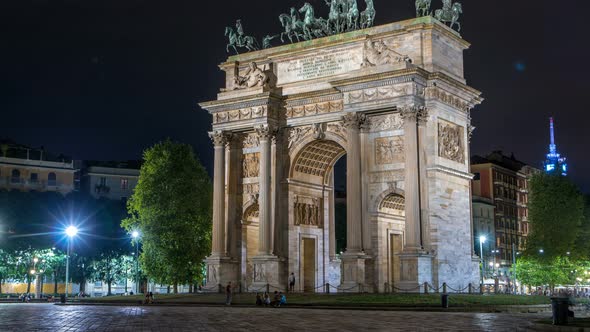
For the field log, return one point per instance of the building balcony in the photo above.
(28, 185)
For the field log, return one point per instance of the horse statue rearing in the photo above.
(450, 13)
(368, 15)
(235, 41)
(309, 21)
(352, 16)
(423, 7)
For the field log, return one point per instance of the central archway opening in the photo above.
(317, 192)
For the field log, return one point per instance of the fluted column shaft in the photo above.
(264, 200)
(218, 246)
(411, 180)
(352, 123)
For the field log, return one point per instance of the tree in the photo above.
(556, 211)
(109, 267)
(534, 271)
(171, 208)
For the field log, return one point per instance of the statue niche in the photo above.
(307, 211)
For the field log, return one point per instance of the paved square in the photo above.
(48, 317)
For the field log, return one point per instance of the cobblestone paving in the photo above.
(48, 317)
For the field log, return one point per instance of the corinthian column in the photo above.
(265, 217)
(412, 179)
(352, 122)
(219, 139)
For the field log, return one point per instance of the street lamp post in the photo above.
(71, 231)
(135, 235)
(482, 239)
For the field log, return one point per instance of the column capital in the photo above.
(265, 131)
(219, 137)
(414, 113)
(353, 120)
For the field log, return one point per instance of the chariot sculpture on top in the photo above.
(344, 16)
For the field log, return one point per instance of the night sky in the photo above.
(104, 79)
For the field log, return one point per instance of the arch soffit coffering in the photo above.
(383, 198)
(316, 156)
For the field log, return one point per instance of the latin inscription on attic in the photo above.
(317, 66)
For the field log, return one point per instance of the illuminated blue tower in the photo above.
(555, 162)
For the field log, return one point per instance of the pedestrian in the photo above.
(282, 299)
(258, 299)
(228, 293)
(292, 282)
(266, 299)
(276, 299)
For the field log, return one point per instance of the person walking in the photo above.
(292, 282)
(228, 293)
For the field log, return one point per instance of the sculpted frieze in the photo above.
(450, 142)
(377, 93)
(389, 150)
(250, 165)
(251, 141)
(386, 122)
(436, 93)
(307, 211)
(241, 114)
(314, 109)
(337, 128)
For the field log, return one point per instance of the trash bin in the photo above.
(444, 300)
(559, 308)
(62, 298)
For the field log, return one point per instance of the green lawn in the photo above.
(390, 300)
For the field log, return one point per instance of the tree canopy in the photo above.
(171, 209)
(556, 213)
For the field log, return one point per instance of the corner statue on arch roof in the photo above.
(449, 13)
(253, 77)
(377, 53)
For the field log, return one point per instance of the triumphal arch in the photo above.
(394, 100)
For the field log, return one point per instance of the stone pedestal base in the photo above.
(416, 269)
(354, 273)
(268, 270)
(220, 271)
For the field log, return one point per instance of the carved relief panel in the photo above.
(450, 142)
(389, 150)
(250, 164)
(308, 211)
(386, 122)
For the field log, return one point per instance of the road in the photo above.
(49, 317)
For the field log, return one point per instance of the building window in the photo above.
(103, 181)
(34, 177)
(51, 179)
(15, 176)
(476, 176)
(98, 284)
(124, 184)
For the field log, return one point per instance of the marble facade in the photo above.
(392, 98)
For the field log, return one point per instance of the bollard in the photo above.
(425, 287)
(470, 289)
(360, 288)
(268, 288)
(220, 288)
(327, 288)
(444, 300)
(240, 287)
(444, 287)
(62, 298)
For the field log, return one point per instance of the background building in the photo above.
(28, 169)
(503, 182)
(111, 180)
